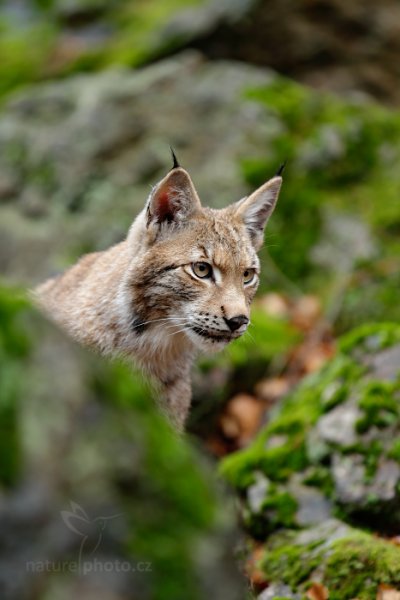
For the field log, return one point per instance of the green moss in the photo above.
(296, 417)
(394, 451)
(288, 562)
(378, 404)
(164, 488)
(321, 478)
(334, 155)
(281, 508)
(350, 567)
(23, 52)
(138, 25)
(358, 564)
(372, 293)
(277, 511)
(134, 37)
(284, 446)
(370, 337)
(14, 348)
(277, 462)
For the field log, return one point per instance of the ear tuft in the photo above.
(281, 169)
(175, 162)
(256, 209)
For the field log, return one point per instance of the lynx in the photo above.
(180, 283)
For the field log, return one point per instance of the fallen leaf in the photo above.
(312, 355)
(306, 312)
(316, 357)
(317, 592)
(242, 418)
(253, 571)
(216, 445)
(274, 305)
(385, 592)
(272, 389)
(395, 540)
(230, 426)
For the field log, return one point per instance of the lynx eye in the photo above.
(248, 275)
(202, 270)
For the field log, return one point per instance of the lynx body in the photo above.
(181, 282)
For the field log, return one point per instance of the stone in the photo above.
(352, 486)
(313, 506)
(278, 590)
(257, 492)
(386, 364)
(338, 425)
(80, 155)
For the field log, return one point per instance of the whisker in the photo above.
(158, 320)
(249, 334)
(179, 331)
(177, 325)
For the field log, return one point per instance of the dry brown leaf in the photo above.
(253, 571)
(216, 445)
(230, 426)
(242, 418)
(316, 357)
(395, 540)
(274, 305)
(385, 592)
(306, 312)
(317, 592)
(272, 389)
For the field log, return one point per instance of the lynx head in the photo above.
(198, 269)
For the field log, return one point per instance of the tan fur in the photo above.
(142, 300)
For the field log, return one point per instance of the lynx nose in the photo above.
(235, 322)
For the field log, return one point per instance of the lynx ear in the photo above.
(174, 199)
(256, 209)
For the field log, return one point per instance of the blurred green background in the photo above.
(92, 93)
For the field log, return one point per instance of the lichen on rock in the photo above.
(337, 456)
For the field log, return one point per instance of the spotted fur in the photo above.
(142, 299)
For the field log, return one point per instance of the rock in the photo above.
(339, 425)
(352, 485)
(82, 153)
(349, 477)
(313, 508)
(325, 533)
(278, 590)
(344, 241)
(257, 493)
(83, 485)
(385, 364)
(319, 37)
(347, 562)
(333, 442)
(253, 32)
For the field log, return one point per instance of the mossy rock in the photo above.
(348, 562)
(334, 154)
(336, 433)
(81, 436)
(101, 34)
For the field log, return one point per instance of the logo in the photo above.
(89, 530)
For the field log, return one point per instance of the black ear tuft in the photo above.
(281, 169)
(175, 161)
